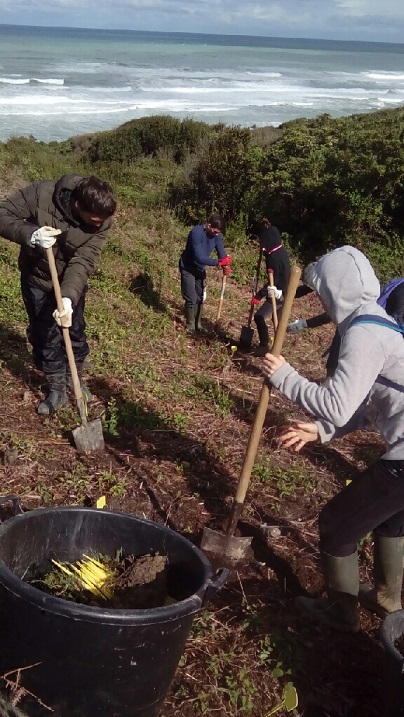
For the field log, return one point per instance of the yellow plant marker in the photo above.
(90, 574)
(347, 482)
(101, 502)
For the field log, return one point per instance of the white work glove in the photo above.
(64, 318)
(45, 237)
(273, 291)
(295, 326)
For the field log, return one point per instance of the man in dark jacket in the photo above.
(202, 240)
(72, 215)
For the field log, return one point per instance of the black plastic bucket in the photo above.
(91, 661)
(391, 630)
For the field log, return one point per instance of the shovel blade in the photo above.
(246, 337)
(89, 437)
(228, 551)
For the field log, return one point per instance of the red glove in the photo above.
(254, 301)
(225, 261)
(226, 270)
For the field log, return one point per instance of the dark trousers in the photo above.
(45, 336)
(192, 286)
(266, 310)
(374, 501)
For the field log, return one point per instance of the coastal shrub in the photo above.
(222, 178)
(329, 182)
(149, 136)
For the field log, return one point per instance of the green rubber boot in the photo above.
(190, 314)
(385, 596)
(340, 609)
(198, 317)
(56, 397)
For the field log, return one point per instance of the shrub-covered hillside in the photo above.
(324, 181)
(177, 410)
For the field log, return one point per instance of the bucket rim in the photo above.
(71, 609)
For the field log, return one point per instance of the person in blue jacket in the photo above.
(202, 240)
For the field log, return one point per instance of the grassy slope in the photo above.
(177, 413)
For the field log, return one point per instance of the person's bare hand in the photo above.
(271, 363)
(297, 435)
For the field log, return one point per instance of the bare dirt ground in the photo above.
(250, 640)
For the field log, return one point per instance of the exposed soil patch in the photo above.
(249, 641)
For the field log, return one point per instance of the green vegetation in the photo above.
(324, 181)
(177, 411)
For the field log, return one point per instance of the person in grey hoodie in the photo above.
(366, 391)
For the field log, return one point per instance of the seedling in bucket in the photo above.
(90, 575)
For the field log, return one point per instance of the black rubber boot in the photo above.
(385, 596)
(263, 334)
(340, 609)
(87, 395)
(190, 312)
(56, 397)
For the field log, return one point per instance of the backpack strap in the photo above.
(373, 319)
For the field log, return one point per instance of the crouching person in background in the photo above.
(73, 216)
(366, 390)
(202, 240)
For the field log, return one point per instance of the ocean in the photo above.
(56, 83)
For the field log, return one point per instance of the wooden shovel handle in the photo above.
(259, 418)
(274, 306)
(66, 337)
(219, 310)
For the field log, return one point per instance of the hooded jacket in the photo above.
(76, 250)
(276, 260)
(367, 389)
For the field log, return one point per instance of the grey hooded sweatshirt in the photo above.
(367, 390)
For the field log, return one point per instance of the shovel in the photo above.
(247, 332)
(227, 550)
(87, 437)
(219, 309)
(274, 307)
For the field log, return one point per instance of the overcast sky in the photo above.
(329, 19)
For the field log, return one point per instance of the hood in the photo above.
(345, 281)
(269, 238)
(63, 193)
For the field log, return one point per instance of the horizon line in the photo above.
(203, 34)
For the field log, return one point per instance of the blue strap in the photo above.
(370, 319)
